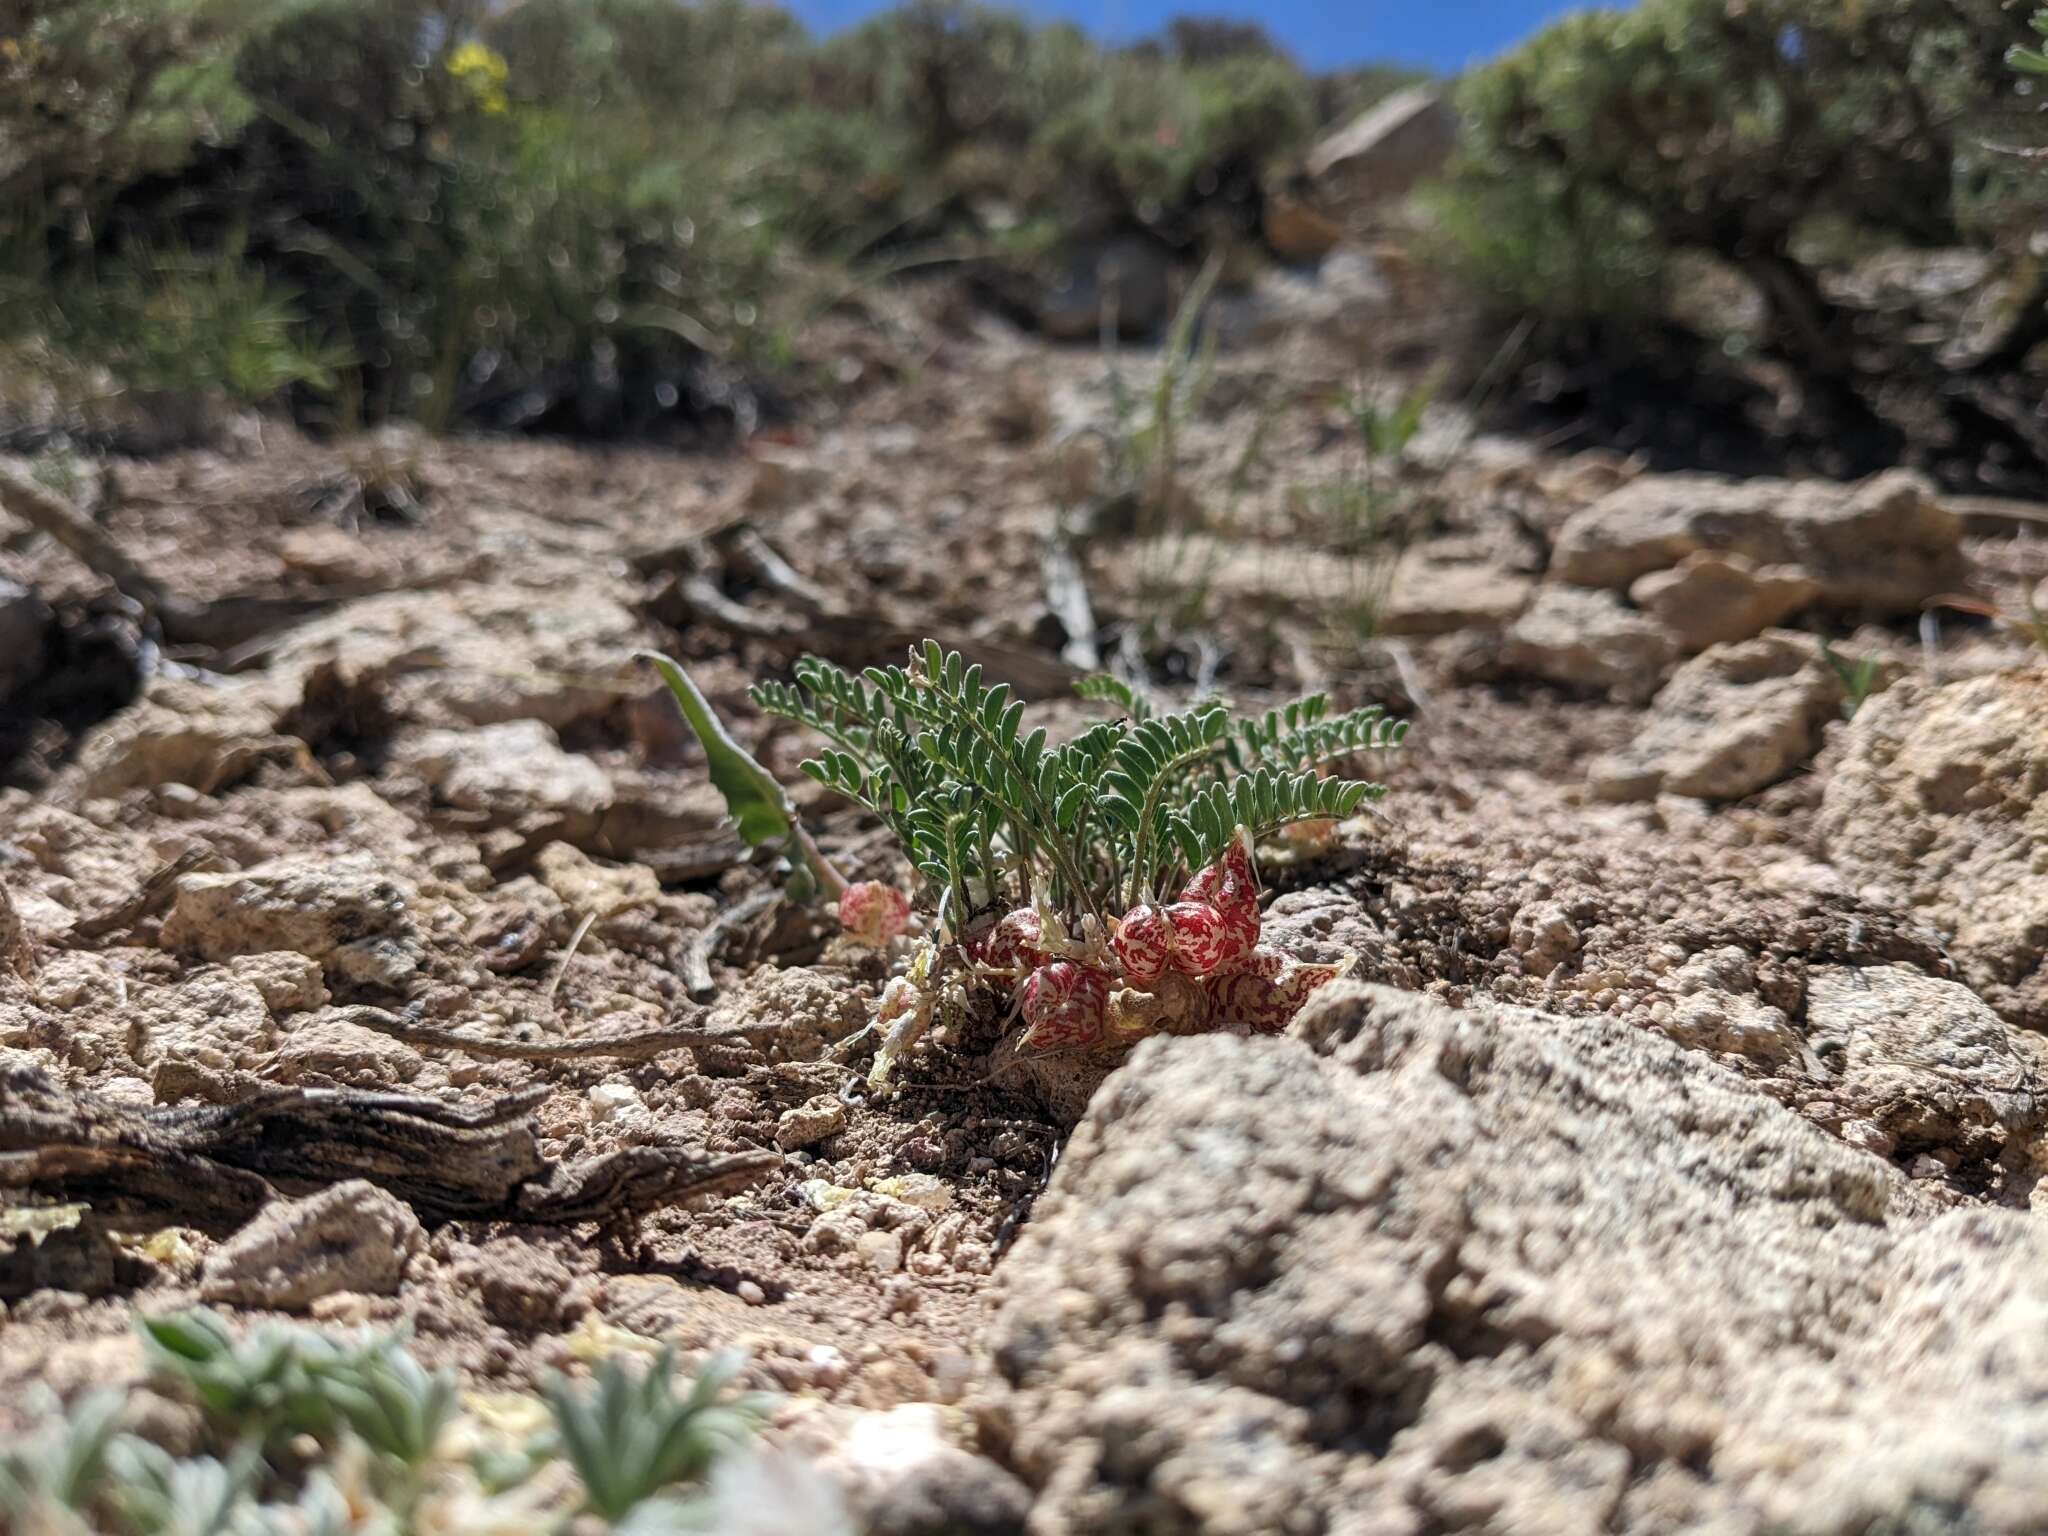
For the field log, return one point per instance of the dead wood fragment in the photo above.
(697, 958)
(216, 1164)
(1066, 595)
(642, 1045)
(151, 896)
(22, 495)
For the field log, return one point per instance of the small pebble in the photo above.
(751, 1293)
(883, 1251)
(607, 1099)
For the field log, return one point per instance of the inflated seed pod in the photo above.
(1143, 943)
(1065, 1006)
(1013, 944)
(1202, 942)
(1268, 963)
(873, 912)
(1267, 1004)
(1231, 886)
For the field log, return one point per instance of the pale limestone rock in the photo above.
(1940, 800)
(1731, 721)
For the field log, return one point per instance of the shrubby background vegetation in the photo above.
(581, 214)
(1811, 210)
(605, 216)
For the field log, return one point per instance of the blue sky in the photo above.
(1445, 35)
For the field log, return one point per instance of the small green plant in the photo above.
(1052, 869)
(2030, 61)
(755, 801)
(631, 1434)
(306, 1432)
(1176, 566)
(1363, 516)
(991, 813)
(1858, 676)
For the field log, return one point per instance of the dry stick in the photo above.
(155, 892)
(697, 958)
(554, 983)
(1066, 594)
(643, 1045)
(46, 511)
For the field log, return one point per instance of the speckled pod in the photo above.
(872, 912)
(1263, 1004)
(1013, 944)
(1231, 886)
(1203, 943)
(1065, 1007)
(1143, 943)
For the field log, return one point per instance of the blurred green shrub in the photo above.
(587, 214)
(1616, 138)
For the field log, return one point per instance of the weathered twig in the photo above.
(697, 958)
(154, 893)
(1066, 594)
(642, 1045)
(46, 511)
(217, 1163)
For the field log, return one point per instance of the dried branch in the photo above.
(216, 1163)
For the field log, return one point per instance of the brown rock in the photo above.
(1432, 598)
(345, 913)
(351, 1237)
(1382, 154)
(1887, 544)
(1710, 598)
(1731, 721)
(333, 1050)
(1590, 640)
(1940, 800)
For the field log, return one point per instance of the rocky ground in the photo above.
(1669, 1162)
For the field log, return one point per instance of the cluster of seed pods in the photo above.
(1180, 967)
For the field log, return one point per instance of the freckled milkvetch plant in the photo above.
(990, 812)
(1107, 879)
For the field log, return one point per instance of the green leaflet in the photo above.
(990, 810)
(753, 799)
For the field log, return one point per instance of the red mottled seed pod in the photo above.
(1013, 944)
(1203, 943)
(1245, 999)
(1231, 886)
(1143, 943)
(1268, 963)
(873, 912)
(1065, 1005)
(1267, 1004)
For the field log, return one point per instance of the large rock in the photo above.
(506, 770)
(1924, 1060)
(1710, 598)
(1382, 153)
(1885, 544)
(349, 1237)
(1124, 282)
(1940, 800)
(345, 913)
(1500, 1271)
(1584, 639)
(1730, 722)
(1439, 597)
